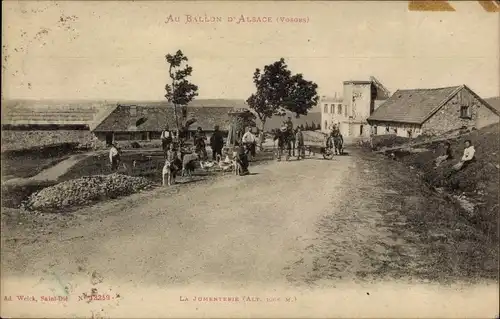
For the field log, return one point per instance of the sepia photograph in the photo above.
(250, 159)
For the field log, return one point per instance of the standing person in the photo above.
(289, 124)
(299, 138)
(216, 143)
(290, 136)
(199, 143)
(249, 140)
(114, 157)
(166, 139)
(280, 136)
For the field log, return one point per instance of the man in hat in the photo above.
(249, 141)
(216, 143)
(199, 143)
(299, 138)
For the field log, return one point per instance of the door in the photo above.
(109, 138)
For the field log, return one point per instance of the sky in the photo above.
(116, 50)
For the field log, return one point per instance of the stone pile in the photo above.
(84, 191)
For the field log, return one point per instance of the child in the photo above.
(171, 166)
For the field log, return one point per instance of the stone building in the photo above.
(432, 112)
(144, 122)
(27, 124)
(350, 113)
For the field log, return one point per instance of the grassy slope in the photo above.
(479, 182)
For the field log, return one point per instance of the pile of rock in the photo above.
(83, 191)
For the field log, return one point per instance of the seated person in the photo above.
(447, 155)
(467, 158)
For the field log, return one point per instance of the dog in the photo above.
(236, 164)
(189, 164)
(167, 176)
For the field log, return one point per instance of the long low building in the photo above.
(94, 123)
(409, 113)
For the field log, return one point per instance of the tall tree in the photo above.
(277, 91)
(271, 89)
(302, 95)
(180, 91)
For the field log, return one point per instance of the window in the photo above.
(387, 129)
(326, 125)
(332, 108)
(395, 130)
(375, 130)
(345, 109)
(339, 109)
(465, 112)
(155, 135)
(326, 108)
(361, 130)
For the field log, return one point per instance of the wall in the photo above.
(359, 109)
(329, 118)
(448, 117)
(401, 129)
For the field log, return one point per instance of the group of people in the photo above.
(447, 154)
(289, 139)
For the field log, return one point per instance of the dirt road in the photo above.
(304, 223)
(232, 230)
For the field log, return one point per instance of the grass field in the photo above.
(478, 184)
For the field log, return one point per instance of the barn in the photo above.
(144, 122)
(409, 113)
(27, 124)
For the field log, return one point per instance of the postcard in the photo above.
(250, 159)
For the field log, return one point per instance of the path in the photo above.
(53, 173)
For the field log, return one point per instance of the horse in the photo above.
(338, 143)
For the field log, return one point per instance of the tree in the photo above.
(180, 91)
(302, 95)
(271, 90)
(278, 91)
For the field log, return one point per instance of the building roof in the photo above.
(418, 105)
(18, 112)
(357, 82)
(411, 106)
(90, 113)
(155, 117)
